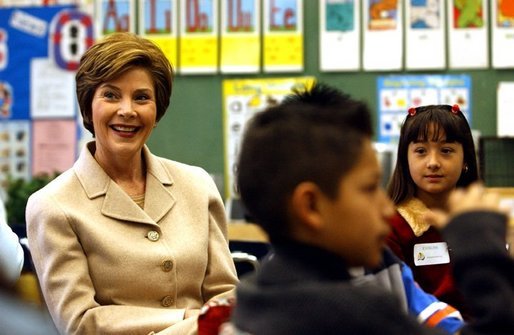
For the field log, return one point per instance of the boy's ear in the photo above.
(305, 205)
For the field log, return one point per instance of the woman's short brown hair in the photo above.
(111, 57)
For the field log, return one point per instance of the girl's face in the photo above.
(435, 166)
(124, 114)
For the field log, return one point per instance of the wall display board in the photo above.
(396, 94)
(242, 98)
(39, 49)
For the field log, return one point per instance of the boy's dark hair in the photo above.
(313, 135)
(416, 128)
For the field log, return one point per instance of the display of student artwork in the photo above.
(425, 29)
(468, 34)
(339, 38)
(382, 35)
(242, 98)
(283, 35)
(240, 36)
(396, 94)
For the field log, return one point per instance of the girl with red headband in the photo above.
(436, 154)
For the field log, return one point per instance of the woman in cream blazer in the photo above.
(116, 255)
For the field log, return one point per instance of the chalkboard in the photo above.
(192, 129)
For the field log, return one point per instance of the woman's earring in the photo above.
(466, 168)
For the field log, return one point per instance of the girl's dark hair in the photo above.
(417, 127)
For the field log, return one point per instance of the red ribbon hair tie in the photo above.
(455, 109)
(412, 111)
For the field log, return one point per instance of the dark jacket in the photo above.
(305, 290)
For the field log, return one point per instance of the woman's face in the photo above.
(124, 114)
(435, 166)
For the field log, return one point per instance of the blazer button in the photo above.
(167, 265)
(153, 235)
(167, 301)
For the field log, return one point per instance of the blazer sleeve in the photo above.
(67, 288)
(221, 277)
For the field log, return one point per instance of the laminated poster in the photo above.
(158, 21)
(240, 36)
(339, 35)
(502, 25)
(198, 51)
(468, 34)
(397, 93)
(382, 35)
(425, 29)
(283, 35)
(242, 98)
(114, 16)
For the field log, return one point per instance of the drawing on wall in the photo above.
(339, 15)
(425, 14)
(505, 17)
(468, 14)
(383, 14)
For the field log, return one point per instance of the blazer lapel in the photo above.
(117, 204)
(158, 197)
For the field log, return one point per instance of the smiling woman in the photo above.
(125, 241)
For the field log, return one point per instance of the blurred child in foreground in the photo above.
(308, 175)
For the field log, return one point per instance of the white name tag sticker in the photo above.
(431, 254)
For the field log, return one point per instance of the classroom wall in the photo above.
(192, 130)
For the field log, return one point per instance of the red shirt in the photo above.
(434, 279)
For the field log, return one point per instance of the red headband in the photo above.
(455, 109)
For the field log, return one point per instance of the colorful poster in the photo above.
(502, 25)
(199, 36)
(158, 21)
(114, 16)
(242, 98)
(37, 80)
(339, 35)
(240, 36)
(382, 35)
(24, 36)
(283, 36)
(425, 29)
(396, 94)
(468, 34)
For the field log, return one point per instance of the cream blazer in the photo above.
(108, 267)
